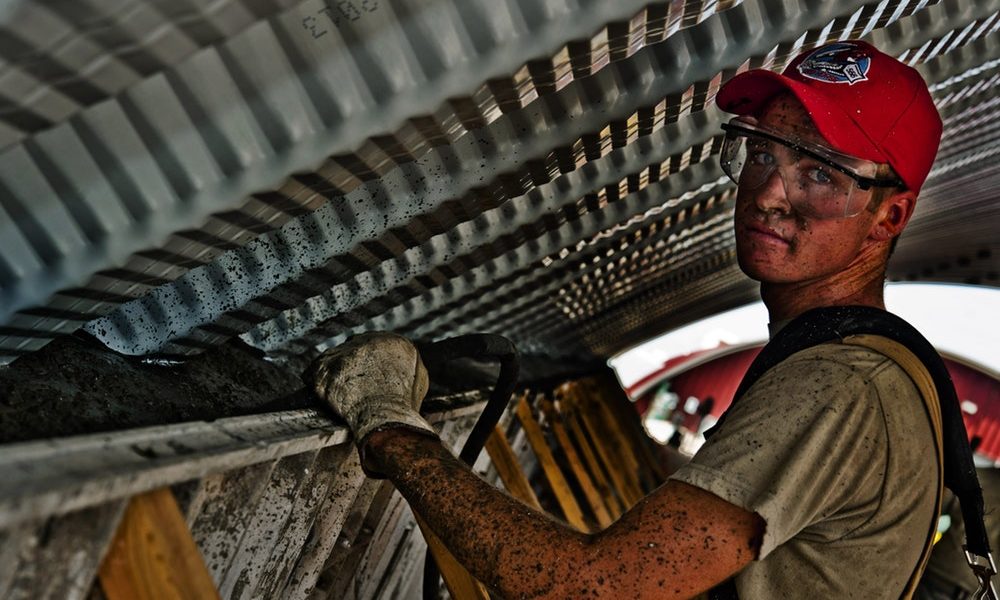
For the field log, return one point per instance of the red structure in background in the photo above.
(718, 372)
(983, 390)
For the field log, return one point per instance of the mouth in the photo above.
(763, 233)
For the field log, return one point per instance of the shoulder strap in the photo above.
(835, 323)
(925, 384)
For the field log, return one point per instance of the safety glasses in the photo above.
(819, 182)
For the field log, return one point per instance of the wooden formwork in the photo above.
(594, 458)
(276, 505)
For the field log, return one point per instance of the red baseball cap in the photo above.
(864, 103)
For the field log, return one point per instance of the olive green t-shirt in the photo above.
(834, 450)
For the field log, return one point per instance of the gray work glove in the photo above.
(374, 381)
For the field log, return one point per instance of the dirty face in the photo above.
(776, 244)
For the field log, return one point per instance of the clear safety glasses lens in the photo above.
(819, 182)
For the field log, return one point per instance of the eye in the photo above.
(760, 157)
(820, 175)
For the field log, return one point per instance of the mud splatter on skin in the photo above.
(820, 262)
(675, 543)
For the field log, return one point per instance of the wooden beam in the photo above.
(265, 525)
(52, 477)
(153, 554)
(611, 500)
(305, 519)
(630, 419)
(57, 558)
(347, 489)
(602, 445)
(560, 487)
(508, 468)
(590, 492)
(604, 420)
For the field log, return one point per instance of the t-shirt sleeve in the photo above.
(799, 446)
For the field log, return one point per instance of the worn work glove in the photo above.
(374, 381)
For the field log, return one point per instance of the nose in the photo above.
(772, 194)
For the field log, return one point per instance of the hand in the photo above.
(375, 381)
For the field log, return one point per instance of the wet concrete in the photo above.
(75, 385)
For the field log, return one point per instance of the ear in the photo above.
(892, 216)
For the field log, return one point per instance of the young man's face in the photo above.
(776, 244)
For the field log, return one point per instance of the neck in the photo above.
(853, 287)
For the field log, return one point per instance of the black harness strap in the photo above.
(823, 325)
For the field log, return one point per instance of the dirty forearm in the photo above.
(476, 521)
(674, 543)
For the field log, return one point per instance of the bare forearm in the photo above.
(675, 543)
(501, 541)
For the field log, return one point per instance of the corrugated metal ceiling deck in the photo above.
(292, 172)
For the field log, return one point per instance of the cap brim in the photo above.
(747, 93)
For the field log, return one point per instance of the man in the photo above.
(819, 483)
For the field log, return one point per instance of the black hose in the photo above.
(475, 346)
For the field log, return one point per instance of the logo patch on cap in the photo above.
(837, 63)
